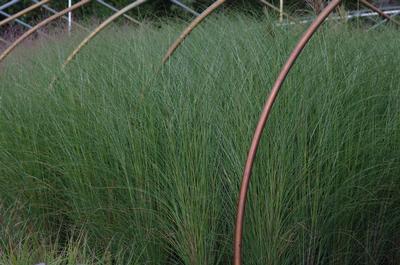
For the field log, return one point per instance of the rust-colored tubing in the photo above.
(23, 12)
(190, 28)
(38, 26)
(261, 125)
(380, 12)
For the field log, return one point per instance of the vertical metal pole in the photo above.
(281, 10)
(69, 17)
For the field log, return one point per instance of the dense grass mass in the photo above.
(129, 161)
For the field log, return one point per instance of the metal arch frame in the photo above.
(38, 26)
(380, 12)
(237, 259)
(63, 17)
(382, 22)
(197, 21)
(218, 3)
(349, 16)
(238, 234)
(116, 10)
(26, 25)
(23, 12)
(7, 5)
(185, 7)
(244, 187)
(17, 20)
(97, 31)
(190, 28)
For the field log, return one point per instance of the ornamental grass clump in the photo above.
(126, 161)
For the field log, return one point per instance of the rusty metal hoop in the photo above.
(190, 28)
(237, 258)
(266, 112)
(38, 26)
(265, 115)
(268, 105)
(380, 12)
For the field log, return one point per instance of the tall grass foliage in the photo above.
(145, 161)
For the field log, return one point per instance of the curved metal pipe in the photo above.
(23, 12)
(380, 12)
(38, 26)
(116, 10)
(22, 23)
(261, 125)
(190, 28)
(98, 29)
